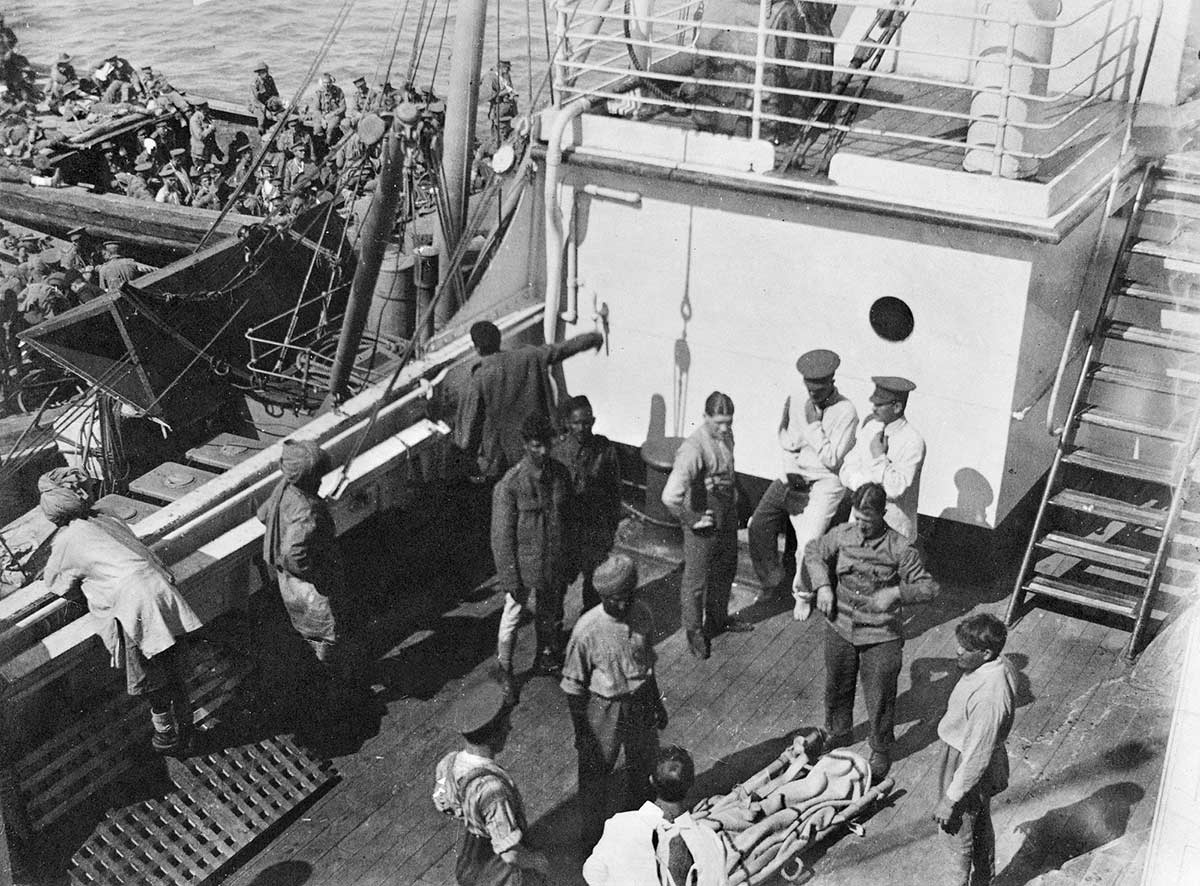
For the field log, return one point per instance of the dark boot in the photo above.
(698, 644)
(881, 764)
(168, 738)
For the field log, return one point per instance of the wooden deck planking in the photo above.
(378, 825)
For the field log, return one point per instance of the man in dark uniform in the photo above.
(612, 693)
(502, 102)
(261, 92)
(329, 111)
(472, 787)
(595, 507)
(75, 256)
(358, 102)
(62, 78)
(505, 387)
(878, 571)
(529, 514)
(118, 270)
(702, 492)
(203, 131)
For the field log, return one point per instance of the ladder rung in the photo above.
(1187, 302)
(1129, 378)
(1176, 341)
(1084, 595)
(1179, 169)
(1181, 259)
(1093, 551)
(1093, 415)
(1121, 467)
(1110, 508)
(1184, 203)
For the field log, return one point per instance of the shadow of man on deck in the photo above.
(1071, 831)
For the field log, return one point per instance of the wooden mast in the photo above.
(458, 146)
(376, 233)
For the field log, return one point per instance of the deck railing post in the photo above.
(1010, 53)
(760, 66)
(563, 52)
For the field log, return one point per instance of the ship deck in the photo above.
(1087, 746)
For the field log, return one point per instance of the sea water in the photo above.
(210, 48)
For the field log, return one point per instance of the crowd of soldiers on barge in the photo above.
(180, 156)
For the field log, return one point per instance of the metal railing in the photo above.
(301, 362)
(1001, 86)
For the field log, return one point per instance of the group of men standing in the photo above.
(859, 575)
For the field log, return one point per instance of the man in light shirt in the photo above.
(613, 696)
(815, 433)
(659, 844)
(889, 451)
(973, 762)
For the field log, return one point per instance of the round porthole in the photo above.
(891, 318)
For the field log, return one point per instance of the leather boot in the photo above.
(698, 644)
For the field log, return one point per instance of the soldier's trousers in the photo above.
(709, 567)
(607, 726)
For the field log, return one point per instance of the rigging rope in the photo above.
(264, 148)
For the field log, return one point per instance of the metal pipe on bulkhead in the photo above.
(554, 218)
(458, 146)
(376, 234)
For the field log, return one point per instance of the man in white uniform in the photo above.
(889, 451)
(815, 433)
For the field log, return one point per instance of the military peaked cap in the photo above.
(818, 364)
(891, 389)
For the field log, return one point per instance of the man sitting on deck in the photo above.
(132, 594)
(62, 79)
(262, 91)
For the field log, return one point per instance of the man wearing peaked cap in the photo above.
(612, 694)
(471, 786)
(891, 452)
(815, 433)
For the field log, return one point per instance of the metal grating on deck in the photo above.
(222, 802)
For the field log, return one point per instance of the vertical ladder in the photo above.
(1116, 504)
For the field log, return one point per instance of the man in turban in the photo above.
(130, 592)
(300, 546)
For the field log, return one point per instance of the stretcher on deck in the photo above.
(799, 799)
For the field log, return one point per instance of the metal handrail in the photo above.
(1068, 114)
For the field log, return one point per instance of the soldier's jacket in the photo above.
(262, 90)
(529, 514)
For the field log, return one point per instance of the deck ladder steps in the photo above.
(1131, 378)
(1158, 338)
(1120, 467)
(1115, 421)
(1086, 595)
(1185, 259)
(1097, 551)
(1109, 508)
(1189, 301)
(1105, 527)
(1176, 207)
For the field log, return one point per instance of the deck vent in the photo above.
(891, 318)
(222, 802)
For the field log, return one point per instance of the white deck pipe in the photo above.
(554, 216)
